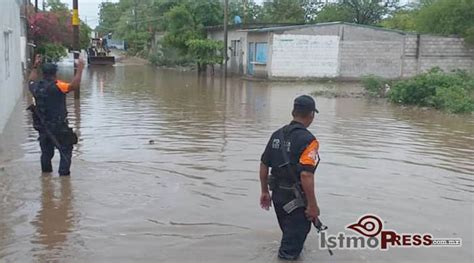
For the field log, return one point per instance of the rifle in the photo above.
(51, 136)
(300, 200)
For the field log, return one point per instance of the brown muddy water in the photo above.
(166, 170)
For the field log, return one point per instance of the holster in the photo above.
(66, 136)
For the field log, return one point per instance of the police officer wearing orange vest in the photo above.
(292, 155)
(50, 114)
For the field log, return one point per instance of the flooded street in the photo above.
(166, 170)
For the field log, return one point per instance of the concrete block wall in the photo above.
(11, 74)
(362, 58)
(366, 51)
(410, 60)
(305, 56)
(448, 53)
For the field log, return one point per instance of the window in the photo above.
(6, 36)
(261, 52)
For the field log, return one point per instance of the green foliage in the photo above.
(454, 99)
(169, 57)
(284, 11)
(452, 92)
(365, 12)
(334, 13)
(109, 15)
(51, 52)
(84, 35)
(57, 6)
(206, 51)
(444, 17)
(374, 86)
(253, 12)
(401, 20)
(181, 27)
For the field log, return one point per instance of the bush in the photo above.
(52, 52)
(454, 99)
(452, 92)
(169, 57)
(374, 86)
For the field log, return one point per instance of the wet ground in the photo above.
(166, 170)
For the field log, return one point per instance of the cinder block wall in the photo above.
(367, 51)
(448, 53)
(392, 54)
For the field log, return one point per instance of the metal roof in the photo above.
(296, 27)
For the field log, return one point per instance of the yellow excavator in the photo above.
(98, 53)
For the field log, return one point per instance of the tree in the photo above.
(369, 12)
(366, 12)
(334, 13)
(284, 11)
(109, 15)
(205, 52)
(57, 6)
(447, 17)
(402, 20)
(444, 17)
(253, 12)
(187, 21)
(181, 27)
(84, 35)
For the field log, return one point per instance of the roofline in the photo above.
(246, 26)
(296, 27)
(260, 28)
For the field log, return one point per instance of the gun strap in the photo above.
(281, 136)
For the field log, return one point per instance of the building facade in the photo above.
(11, 57)
(341, 50)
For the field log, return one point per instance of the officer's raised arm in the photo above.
(76, 81)
(34, 71)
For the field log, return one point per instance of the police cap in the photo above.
(305, 103)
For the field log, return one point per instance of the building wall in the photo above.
(361, 51)
(265, 37)
(11, 75)
(305, 56)
(234, 62)
(421, 53)
(366, 51)
(448, 53)
(327, 30)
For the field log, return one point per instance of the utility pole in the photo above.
(75, 41)
(36, 6)
(226, 21)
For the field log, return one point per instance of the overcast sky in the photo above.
(89, 9)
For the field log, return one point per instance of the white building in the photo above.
(11, 57)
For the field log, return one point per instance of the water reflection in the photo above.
(55, 218)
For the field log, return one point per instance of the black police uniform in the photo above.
(301, 149)
(52, 120)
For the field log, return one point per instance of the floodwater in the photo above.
(166, 170)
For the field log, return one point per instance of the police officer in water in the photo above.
(292, 155)
(50, 114)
